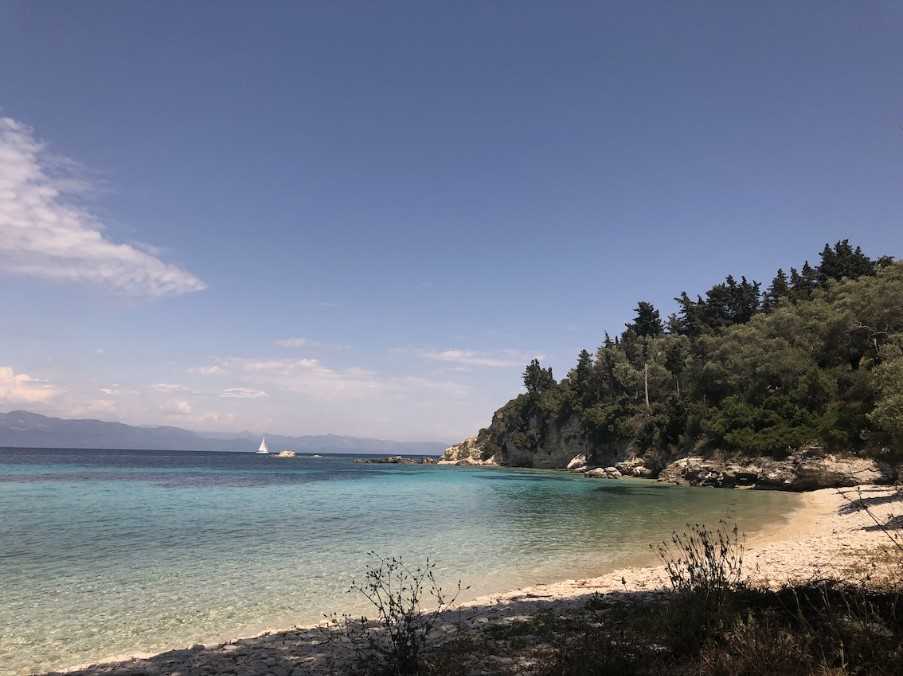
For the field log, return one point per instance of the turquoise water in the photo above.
(107, 553)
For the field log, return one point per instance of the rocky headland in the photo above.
(809, 468)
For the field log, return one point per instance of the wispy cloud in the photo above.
(211, 370)
(243, 393)
(291, 342)
(310, 377)
(500, 359)
(168, 387)
(21, 387)
(44, 232)
(176, 407)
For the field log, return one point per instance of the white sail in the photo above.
(263, 446)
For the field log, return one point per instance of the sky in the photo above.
(365, 218)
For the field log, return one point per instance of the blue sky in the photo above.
(364, 218)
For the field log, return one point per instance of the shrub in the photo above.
(705, 561)
(394, 641)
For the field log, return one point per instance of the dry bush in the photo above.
(701, 560)
(394, 641)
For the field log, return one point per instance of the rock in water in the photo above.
(603, 473)
(577, 462)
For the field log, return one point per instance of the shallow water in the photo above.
(106, 553)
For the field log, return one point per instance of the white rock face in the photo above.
(577, 462)
(468, 452)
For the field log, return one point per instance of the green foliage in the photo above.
(817, 358)
(887, 415)
(537, 379)
(648, 322)
(844, 261)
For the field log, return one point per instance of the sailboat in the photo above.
(264, 449)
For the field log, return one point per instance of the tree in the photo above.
(804, 282)
(676, 354)
(582, 376)
(647, 323)
(780, 288)
(537, 379)
(844, 261)
(887, 415)
(689, 318)
(673, 325)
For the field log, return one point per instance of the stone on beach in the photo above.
(810, 468)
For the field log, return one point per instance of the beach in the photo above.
(827, 535)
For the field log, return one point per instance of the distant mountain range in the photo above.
(31, 430)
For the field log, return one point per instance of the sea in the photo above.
(107, 553)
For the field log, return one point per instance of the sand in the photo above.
(828, 535)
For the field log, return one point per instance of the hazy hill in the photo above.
(32, 430)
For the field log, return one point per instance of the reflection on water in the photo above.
(113, 552)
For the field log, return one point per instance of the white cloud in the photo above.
(176, 407)
(501, 359)
(280, 365)
(116, 390)
(21, 387)
(168, 387)
(212, 370)
(309, 377)
(45, 233)
(243, 393)
(291, 342)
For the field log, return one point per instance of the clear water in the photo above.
(109, 553)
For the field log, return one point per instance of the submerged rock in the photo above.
(396, 460)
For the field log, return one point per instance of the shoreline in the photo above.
(821, 537)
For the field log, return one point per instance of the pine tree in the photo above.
(690, 314)
(802, 283)
(537, 379)
(745, 302)
(647, 322)
(582, 376)
(844, 261)
(674, 325)
(780, 288)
